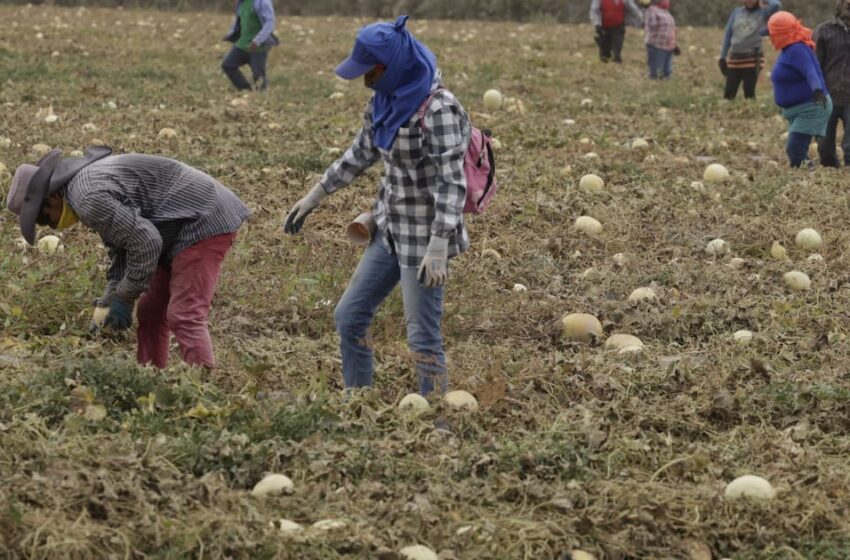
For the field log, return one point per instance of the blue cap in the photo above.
(358, 63)
(372, 41)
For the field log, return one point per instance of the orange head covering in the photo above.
(785, 29)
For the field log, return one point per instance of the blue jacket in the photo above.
(265, 11)
(796, 76)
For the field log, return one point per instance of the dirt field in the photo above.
(575, 445)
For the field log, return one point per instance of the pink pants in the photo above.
(178, 301)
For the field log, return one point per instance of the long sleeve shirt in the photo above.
(796, 76)
(146, 210)
(660, 28)
(264, 10)
(833, 53)
(746, 29)
(423, 190)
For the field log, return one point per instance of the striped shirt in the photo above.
(833, 53)
(737, 61)
(423, 190)
(147, 209)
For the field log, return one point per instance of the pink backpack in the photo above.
(479, 166)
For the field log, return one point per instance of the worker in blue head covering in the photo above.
(399, 68)
(421, 133)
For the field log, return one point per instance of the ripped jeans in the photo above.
(373, 280)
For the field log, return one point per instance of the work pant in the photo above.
(660, 63)
(826, 145)
(178, 301)
(610, 42)
(734, 78)
(373, 280)
(237, 58)
(797, 148)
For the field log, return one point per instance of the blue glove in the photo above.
(120, 315)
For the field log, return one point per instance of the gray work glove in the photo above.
(295, 218)
(434, 267)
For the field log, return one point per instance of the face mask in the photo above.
(68, 218)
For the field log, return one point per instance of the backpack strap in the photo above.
(424, 107)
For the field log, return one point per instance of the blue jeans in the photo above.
(797, 148)
(660, 63)
(236, 58)
(373, 280)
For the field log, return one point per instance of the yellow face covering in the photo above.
(68, 218)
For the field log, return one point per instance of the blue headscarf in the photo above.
(406, 82)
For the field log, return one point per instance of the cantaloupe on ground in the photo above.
(588, 225)
(493, 100)
(414, 402)
(715, 173)
(48, 244)
(167, 134)
(461, 400)
(797, 280)
(624, 343)
(642, 294)
(750, 486)
(418, 552)
(717, 247)
(808, 239)
(592, 183)
(743, 337)
(640, 144)
(273, 484)
(581, 327)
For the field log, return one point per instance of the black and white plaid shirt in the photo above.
(833, 52)
(147, 209)
(423, 190)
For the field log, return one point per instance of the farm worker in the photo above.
(609, 18)
(252, 35)
(167, 227)
(798, 85)
(419, 205)
(741, 57)
(832, 39)
(660, 38)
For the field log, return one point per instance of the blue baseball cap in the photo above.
(358, 63)
(372, 41)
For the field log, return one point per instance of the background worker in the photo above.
(741, 56)
(252, 35)
(832, 48)
(609, 19)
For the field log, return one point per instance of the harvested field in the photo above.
(575, 446)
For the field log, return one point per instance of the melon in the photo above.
(750, 486)
(716, 173)
(273, 484)
(493, 100)
(581, 327)
(592, 183)
(588, 225)
(461, 400)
